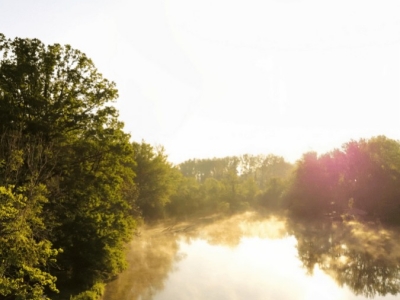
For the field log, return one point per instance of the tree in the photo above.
(93, 212)
(156, 179)
(373, 176)
(66, 166)
(364, 173)
(187, 199)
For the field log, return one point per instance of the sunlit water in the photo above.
(248, 258)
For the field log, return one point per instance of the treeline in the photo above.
(359, 181)
(229, 185)
(362, 180)
(206, 186)
(73, 185)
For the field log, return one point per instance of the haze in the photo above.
(218, 78)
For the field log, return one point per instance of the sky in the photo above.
(218, 78)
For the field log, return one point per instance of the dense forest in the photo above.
(74, 186)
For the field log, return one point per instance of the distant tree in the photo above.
(308, 193)
(373, 175)
(248, 190)
(187, 199)
(364, 173)
(234, 183)
(272, 197)
(271, 166)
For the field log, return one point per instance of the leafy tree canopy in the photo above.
(66, 171)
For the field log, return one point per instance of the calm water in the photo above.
(251, 257)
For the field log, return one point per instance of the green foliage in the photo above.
(66, 172)
(272, 197)
(187, 199)
(95, 219)
(93, 294)
(231, 184)
(156, 180)
(23, 254)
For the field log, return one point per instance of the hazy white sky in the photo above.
(216, 78)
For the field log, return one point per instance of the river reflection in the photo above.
(253, 257)
(363, 257)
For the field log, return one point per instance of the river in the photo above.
(250, 256)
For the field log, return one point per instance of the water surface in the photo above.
(253, 257)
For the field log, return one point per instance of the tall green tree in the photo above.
(66, 168)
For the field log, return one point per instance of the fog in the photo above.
(251, 256)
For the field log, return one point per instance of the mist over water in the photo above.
(250, 256)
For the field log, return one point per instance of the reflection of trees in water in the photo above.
(229, 232)
(150, 260)
(367, 275)
(365, 259)
(151, 256)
